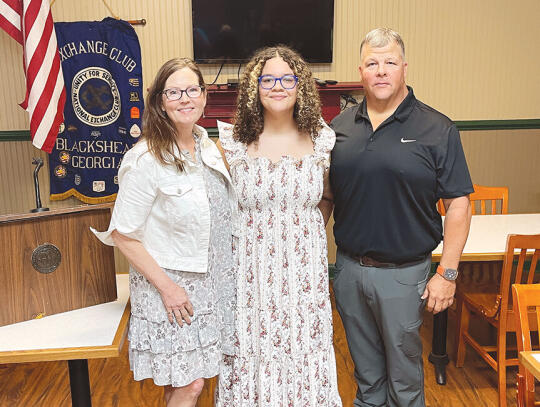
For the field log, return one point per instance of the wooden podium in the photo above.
(51, 262)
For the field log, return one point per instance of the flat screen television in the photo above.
(231, 31)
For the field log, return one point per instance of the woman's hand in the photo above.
(177, 304)
(175, 298)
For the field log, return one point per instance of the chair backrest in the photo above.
(527, 249)
(528, 246)
(526, 296)
(482, 195)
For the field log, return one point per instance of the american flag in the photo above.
(30, 23)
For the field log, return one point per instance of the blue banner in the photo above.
(101, 62)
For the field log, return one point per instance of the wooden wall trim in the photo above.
(516, 124)
(15, 135)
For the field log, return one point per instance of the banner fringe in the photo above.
(81, 197)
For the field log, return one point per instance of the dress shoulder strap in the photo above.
(324, 143)
(233, 149)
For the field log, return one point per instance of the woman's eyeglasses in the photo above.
(176, 94)
(269, 81)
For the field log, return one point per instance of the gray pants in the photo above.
(382, 312)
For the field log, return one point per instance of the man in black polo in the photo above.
(394, 158)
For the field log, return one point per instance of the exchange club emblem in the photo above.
(95, 97)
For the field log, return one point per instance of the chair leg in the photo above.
(527, 390)
(501, 369)
(502, 386)
(529, 398)
(520, 393)
(463, 326)
(458, 304)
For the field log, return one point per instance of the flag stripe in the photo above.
(35, 17)
(11, 29)
(14, 4)
(45, 91)
(45, 95)
(41, 77)
(10, 20)
(48, 128)
(45, 49)
(11, 14)
(58, 119)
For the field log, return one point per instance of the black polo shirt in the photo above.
(386, 183)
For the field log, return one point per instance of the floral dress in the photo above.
(174, 355)
(284, 354)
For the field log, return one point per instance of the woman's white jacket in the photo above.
(166, 209)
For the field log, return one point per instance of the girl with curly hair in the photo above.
(278, 152)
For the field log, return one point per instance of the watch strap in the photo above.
(442, 271)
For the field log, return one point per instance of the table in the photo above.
(486, 242)
(76, 336)
(531, 361)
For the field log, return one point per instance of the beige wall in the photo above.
(497, 158)
(509, 157)
(470, 59)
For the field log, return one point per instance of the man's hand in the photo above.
(439, 293)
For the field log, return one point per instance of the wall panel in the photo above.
(472, 60)
(499, 157)
(17, 185)
(17, 179)
(507, 158)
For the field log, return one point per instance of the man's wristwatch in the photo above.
(448, 274)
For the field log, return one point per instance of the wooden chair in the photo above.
(481, 276)
(481, 195)
(496, 309)
(526, 296)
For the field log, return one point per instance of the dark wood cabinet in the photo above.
(221, 102)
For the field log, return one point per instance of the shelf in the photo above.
(221, 102)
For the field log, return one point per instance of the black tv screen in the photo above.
(231, 30)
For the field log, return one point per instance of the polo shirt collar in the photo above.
(361, 113)
(402, 112)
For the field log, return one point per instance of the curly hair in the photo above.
(157, 129)
(249, 120)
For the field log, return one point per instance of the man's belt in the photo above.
(367, 261)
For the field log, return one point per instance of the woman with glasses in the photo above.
(278, 152)
(172, 220)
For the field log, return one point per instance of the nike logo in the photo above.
(406, 141)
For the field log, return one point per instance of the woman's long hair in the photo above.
(249, 119)
(158, 130)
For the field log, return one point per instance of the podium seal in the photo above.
(46, 258)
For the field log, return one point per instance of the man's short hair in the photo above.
(381, 37)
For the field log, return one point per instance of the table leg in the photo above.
(79, 383)
(438, 356)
